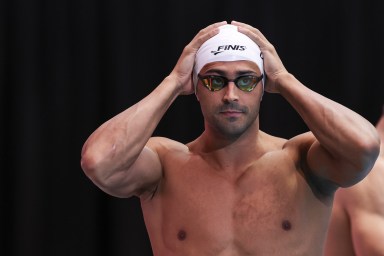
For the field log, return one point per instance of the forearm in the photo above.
(343, 133)
(116, 144)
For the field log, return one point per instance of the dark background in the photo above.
(69, 65)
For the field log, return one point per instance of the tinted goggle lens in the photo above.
(245, 83)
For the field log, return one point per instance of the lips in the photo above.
(231, 113)
(231, 110)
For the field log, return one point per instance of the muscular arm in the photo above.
(115, 157)
(345, 146)
(119, 156)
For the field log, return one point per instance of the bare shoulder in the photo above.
(301, 142)
(293, 147)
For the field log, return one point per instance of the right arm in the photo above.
(117, 156)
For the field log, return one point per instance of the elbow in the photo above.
(96, 166)
(356, 163)
(370, 152)
(89, 163)
(92, 162)
(92, 167)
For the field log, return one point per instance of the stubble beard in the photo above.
(234, 127)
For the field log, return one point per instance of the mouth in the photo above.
(231, 112)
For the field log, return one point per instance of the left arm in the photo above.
(346, 144)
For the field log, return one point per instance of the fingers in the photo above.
(252, 33)
(206, 33)
(184, 66)
(213, 26)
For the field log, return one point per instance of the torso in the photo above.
(268, 208)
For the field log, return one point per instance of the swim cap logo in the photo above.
(223, 48)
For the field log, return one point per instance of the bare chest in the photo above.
(250, 203)
(259, 211)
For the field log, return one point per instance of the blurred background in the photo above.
(67, 66)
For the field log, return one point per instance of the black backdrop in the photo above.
(69, 65)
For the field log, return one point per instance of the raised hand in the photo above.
(273, 66)
(182, 72)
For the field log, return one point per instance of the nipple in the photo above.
(286, 225)
(181, 235)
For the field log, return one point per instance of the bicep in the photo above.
(323, 164)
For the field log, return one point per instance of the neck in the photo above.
(231, 153)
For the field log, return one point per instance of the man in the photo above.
(357, 222)
(234, 190)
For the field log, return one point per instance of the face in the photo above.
(230, 111)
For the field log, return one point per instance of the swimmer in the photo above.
(234, 190)
(357, 223)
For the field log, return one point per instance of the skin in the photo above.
(357, 223)
(234, 190)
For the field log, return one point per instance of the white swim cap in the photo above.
(228, 45)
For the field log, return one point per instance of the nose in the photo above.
(230, 92)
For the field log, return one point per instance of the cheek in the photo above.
(254, 108)
(205, 107)
(204, 96)
(208, 104)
